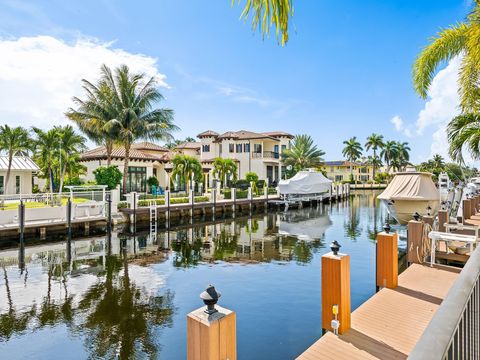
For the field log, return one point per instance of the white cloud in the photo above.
(397, 122)
(40, 75)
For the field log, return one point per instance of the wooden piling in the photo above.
(414, 242)
(211, 337)
(336, 290)
(387, 260)
(428, 220)
(467, 212)
(442, 219)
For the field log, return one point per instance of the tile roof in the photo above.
(207, 134)
(342, 163)
(149, 146)
(279, 134)
(18, 163)
(188, 145)
(119, 153)
(245, 135)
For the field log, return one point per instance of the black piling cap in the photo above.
(335, 246)
(416, 216)
(210, 297)
(387, 226)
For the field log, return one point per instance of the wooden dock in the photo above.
(389, 324)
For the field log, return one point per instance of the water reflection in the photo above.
(124, 296)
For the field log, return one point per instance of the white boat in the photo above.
(304, 185)
(411, 192)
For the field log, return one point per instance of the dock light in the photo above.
(335, 324)
(335, 246)
(335, 309)
(210, 297)
(387, 226)
(416, 216)
(429, 210)
(443, 205)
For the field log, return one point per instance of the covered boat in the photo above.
(305, 183)
(411, 192)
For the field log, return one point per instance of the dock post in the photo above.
(192, 204)
(211, 330)
(108, 198)
(414, 242)
(387, 260)
(135, 212)
(336, 290)
(467, 212)
(473, 208)
(265, 195)
(21, 225)
(214, 207)
(427, 219)
(69, 219)
(234, 201)
(442, 219)
(337, 191)
(250, 197)
(167, 214)
(330, 193)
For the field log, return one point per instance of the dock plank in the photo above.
(389, 324)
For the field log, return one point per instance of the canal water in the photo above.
(128, 296)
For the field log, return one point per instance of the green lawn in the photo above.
(36, 204)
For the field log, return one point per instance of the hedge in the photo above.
(122, 205)
(183, 200)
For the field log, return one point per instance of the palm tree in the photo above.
(266, 13)
(13, 141)
(187, 167)
(46, 145)
(94, 113)
(70, 144)
(374, 142)
(352, 151)
(224, 168)
(459, 39)
(464, 131)
(438, 161)
(389, 153)
(132, 99)
(402, 154)
(303, 154)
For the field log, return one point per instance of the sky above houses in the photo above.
(346, 70)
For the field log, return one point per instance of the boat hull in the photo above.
(402, 210)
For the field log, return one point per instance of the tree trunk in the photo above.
(109, 148)
(125, 166)
(63, 170)
(374, 165)
(7, 176)
(50, 180)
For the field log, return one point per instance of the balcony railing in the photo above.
(453, 332)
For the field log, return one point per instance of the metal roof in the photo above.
(18, 163)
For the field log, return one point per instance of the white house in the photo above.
(21, 175)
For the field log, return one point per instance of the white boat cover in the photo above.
(305, 182)
(411, 186)
(307, 230)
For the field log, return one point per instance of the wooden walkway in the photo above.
(389, 324)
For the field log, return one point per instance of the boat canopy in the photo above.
(304, 183)
(411, 186)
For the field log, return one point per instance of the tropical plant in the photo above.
(374, 142)
(352, 151)
(93, 115)
(463, 131)
(389, 153)
(303, 154)
(224, 170)
(187, 168)
(46, 152)
(132, 98)
(108, 175)
(152, 181)
(252, 179)
(402, 158)
(13, 141)
(70, 145)
(457, 40)
(266, 13)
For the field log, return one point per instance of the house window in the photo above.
(257, 148)
(246, 147)
(155, 172)
(364, 177)
(17, 184)
(206, 148)
(2, 184)
(239, 148)
(338, 177)
(284, 147)
(137, 179)
(231, 148)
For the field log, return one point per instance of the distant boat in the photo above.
(304, 184)
(411, 192)
(444, 186)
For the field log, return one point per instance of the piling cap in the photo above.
(387, 226)
(416, 216)
(335, 246)
(210, 297)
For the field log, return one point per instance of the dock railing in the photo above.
(454, 331)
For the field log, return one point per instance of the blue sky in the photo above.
(346, 70)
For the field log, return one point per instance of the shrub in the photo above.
(177, 200)
(241, 184)
(272, 191)
(108, 175)
(251, 176)
(152, 181)
(122, 205)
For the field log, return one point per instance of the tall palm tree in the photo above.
(187, 167)
(266, 13)
(459, 39)
(224, 168)
(374, 142)
(389, 153)
(93, 115)
(402, 154)
(464, 131)
(302, 154)
(133, 97)
(352, 151)
(438, 161)
(70, 144)
(13, 141)
(46, 148)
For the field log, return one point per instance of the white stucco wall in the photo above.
(25, 181)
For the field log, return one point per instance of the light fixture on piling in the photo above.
(429, 210)
(387, 226)
(210, 297)
(335, 247)
(168, 168)
(416, 216)
(443, 205)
